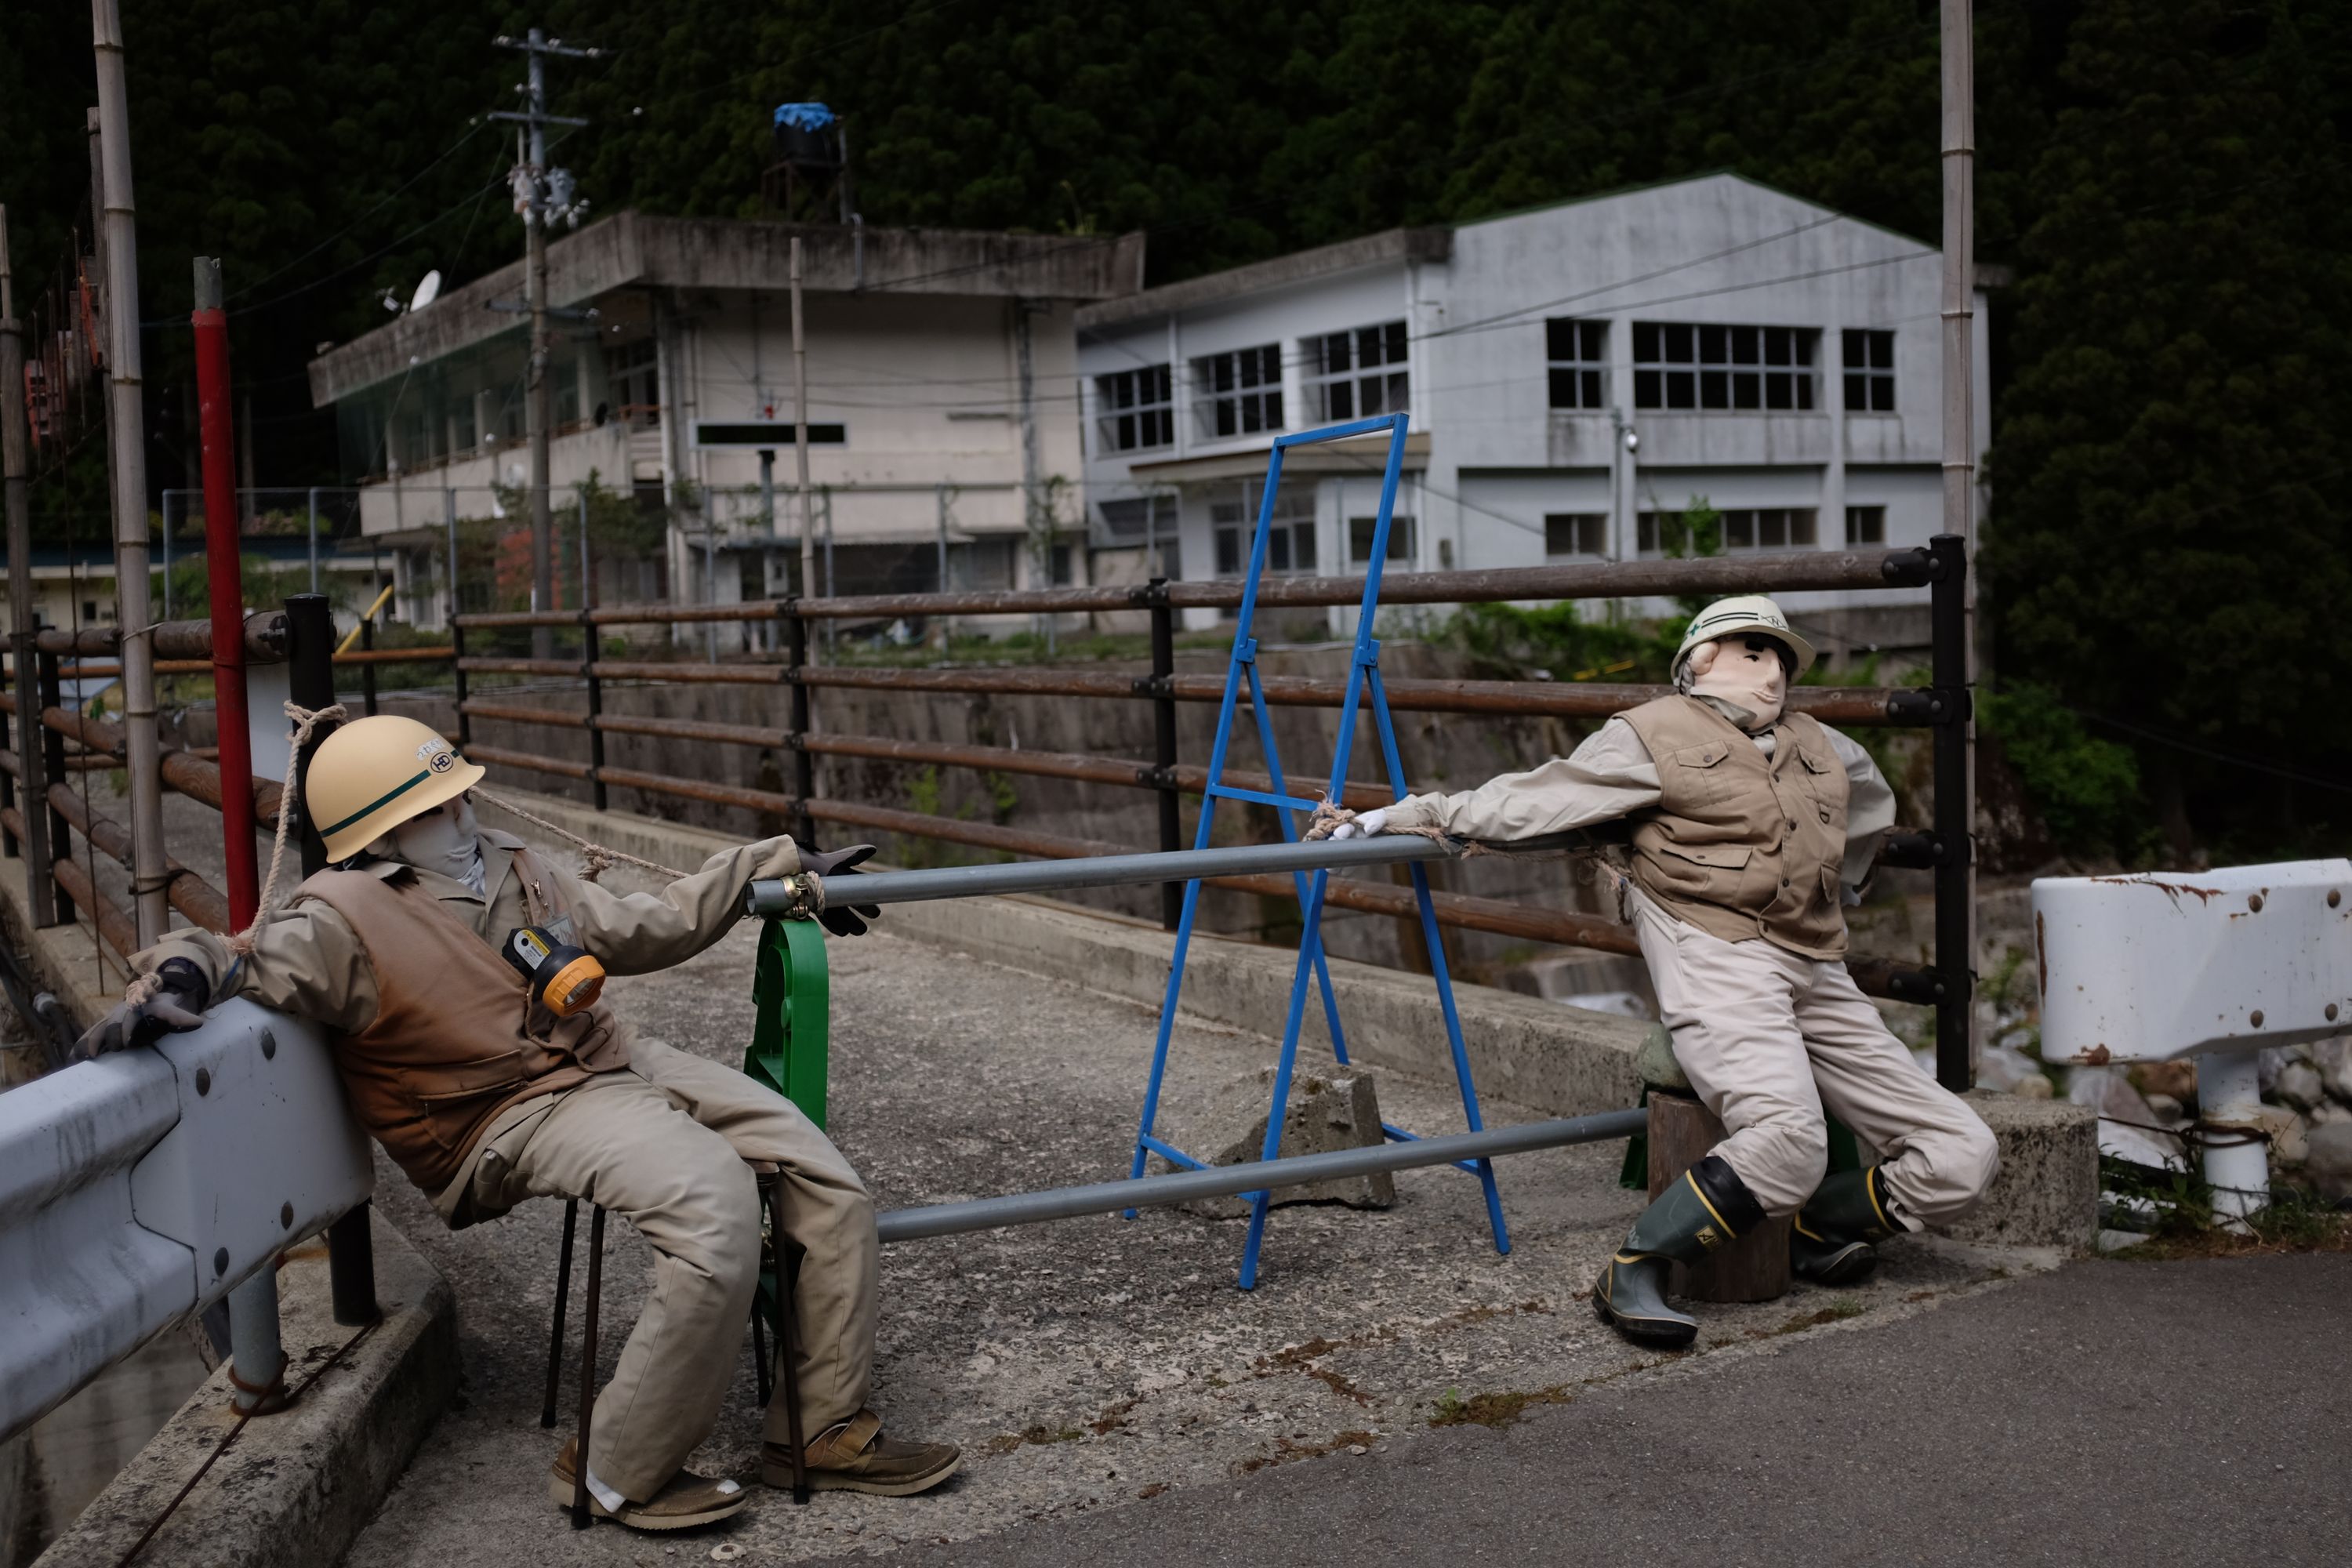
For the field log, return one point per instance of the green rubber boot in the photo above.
(1834, 1240)
(1707, 1207)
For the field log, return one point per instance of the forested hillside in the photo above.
(2168, 553)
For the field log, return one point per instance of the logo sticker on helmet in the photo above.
(442, 760)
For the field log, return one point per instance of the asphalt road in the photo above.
(2114, 1412)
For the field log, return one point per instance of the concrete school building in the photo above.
(940, 414)
(1578, 375)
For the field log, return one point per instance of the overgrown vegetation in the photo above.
(2086, 790)
(2181, 1221)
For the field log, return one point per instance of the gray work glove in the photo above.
(174, 1006)
(839, 916)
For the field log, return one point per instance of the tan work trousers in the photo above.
(663, 1143)
(1768, 1038)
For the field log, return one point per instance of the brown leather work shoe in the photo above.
(855, 1457)
(686, 1501)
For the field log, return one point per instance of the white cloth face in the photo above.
(1745, 670)
(444, 840)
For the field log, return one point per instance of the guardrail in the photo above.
(143, 1187)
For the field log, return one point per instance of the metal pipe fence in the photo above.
(1941, 706)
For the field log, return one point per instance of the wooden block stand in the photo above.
(1753, 1268)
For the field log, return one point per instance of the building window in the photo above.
(1865, 525)
(1359, 539)
(1135, 410)
(1869, 370)
(1238, 394)
(1572, 534)
(1058, 567)
(89, 609)
(633, 377)
(1290, 540)
(1681, 365)
(1579, 356)
(1768, 528)
(1357, 374)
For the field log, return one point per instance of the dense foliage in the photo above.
(2166, 177)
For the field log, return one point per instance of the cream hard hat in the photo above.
(372, 775)
(1730, 617)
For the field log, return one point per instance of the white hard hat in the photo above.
(372, 775)
(1730, 617)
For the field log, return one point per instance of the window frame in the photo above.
(1864, 525)
(1596, 523)
(1866, 369)
(1387, 373)
(1584, 373)
(1705, 367)
(1750, 520)
(1242, 386)
(1127, 413)
(1404, 536)
(1291, 548)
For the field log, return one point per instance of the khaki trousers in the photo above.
(663, 1143)
(1768, 1038)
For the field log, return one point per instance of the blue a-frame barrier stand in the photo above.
(1364, 675)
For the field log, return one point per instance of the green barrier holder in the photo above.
(789, 1004)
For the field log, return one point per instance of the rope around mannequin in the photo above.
(306, 720)
(595, 859)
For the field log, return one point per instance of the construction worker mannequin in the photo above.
(484, 1098)
(1752, 827)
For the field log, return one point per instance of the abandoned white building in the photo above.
(940, 372)
(1578, 376)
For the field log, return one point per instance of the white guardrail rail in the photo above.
(144, 1186)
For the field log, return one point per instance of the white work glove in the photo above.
(1367, 825)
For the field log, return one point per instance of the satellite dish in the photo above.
(427, 291)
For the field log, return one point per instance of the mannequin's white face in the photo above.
(1747, 670)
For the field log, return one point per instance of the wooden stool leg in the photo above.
(787, 1341)
(562, 1295)
(580, 1515)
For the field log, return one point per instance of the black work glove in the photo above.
(176, 1006)
(838, 916)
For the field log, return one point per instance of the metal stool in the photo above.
(779, 1270)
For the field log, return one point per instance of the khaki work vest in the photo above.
(1740, 845)
(456, 1038)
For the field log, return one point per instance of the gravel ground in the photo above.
(1080, 1365)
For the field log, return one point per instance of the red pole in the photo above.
(224, 574)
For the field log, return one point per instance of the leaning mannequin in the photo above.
(485, 1097)
(1752, 828)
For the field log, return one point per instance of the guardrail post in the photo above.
(1163, 737)
(1955, 935)
(796, 737)
(596, 791)
(60, 836)
(457, 631)
(367, 668)
(311, 682)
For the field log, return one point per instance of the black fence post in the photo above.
(1163, 739)
(796, 736)
(1955, 932)
(597, 795)
(9, 845)
(311, 682)
(32, 759)
(367, 668)
(53, 769)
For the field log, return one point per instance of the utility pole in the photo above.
(540, 195)
(1959, 394)
(15, 465)
(127, 406)
(799, 431)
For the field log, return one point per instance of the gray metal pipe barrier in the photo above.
(1223, 1181)
(775, 898)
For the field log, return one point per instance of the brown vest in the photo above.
(456, 1038)
(1740, 845)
